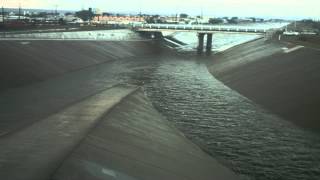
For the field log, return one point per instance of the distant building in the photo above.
(172, 19)
(245, 20)
(291, 33)
(113, 19)
(71, 19)
(14, 18)
(199, 20)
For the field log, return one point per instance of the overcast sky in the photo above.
(261, 8)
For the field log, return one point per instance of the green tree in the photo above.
(215, 21)
(183, 15)
(233, 20)
(85, 15)
(68, 13)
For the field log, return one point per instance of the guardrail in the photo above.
(159, 27)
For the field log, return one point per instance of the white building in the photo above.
(72, 19)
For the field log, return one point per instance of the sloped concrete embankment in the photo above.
(39, 78)
(26, 62)
(115, 134)
(115, 35)
(284, 81)
(36, 150)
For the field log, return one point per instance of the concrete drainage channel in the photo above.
(115, 134)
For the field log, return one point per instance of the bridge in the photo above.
(201, 30)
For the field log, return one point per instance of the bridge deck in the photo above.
(199, 28)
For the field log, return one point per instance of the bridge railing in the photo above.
(200, 28)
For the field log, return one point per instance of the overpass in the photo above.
(201, 30)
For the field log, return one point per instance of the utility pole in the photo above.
(19, 10)
(176, 14)
(2, 13)
(56, 12)
(140, 10)
(201, 12)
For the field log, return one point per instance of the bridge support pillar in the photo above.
(200, 42)
(209, 42)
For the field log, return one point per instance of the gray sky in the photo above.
(261, 8)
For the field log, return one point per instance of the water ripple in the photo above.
(243, 136)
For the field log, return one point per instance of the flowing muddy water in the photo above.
(253, 142)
